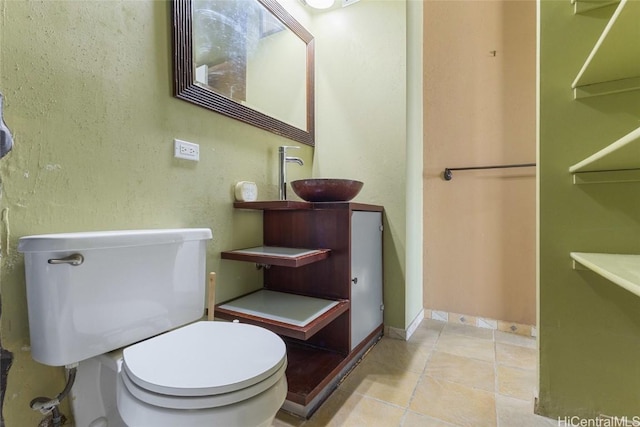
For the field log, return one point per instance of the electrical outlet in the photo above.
(186, 150)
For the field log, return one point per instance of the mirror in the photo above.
(247, 59)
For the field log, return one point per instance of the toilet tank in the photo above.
(130, 285)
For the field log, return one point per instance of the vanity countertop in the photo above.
(301, 205)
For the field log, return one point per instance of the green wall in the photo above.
(414, 168)
(589, 327)
(356, 59)
(88, 96)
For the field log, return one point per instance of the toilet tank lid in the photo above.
(109, 239)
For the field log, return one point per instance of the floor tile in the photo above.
(468, 330)
(426, 335)
(466, 346)
(454, 403)
(514, 412)
(285, 419)
(432, 324)
(516, 356)
(383, 382)
(355, 410)
(413, 419)
(514, 382)
(399, 354)
(445, 375)
(462, 370)
(515, 339)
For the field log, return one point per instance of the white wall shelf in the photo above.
(622, 155)
(614, 63)
(623, 270)
(581, 6)
(607, 177)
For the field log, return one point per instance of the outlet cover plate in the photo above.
(186, 150)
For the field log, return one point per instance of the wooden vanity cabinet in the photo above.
(351, 274)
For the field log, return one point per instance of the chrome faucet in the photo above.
(282, 175)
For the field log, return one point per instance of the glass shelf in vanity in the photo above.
(291, 315)
(287, 314)
(273, 255)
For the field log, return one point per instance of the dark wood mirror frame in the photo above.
(186, 89)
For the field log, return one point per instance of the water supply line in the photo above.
(46, 405)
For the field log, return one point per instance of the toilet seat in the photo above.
(201, 402)
(204, 365)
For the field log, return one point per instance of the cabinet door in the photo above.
(366, 274)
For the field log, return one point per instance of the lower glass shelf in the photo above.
(272, 255)
(293, 309)
(296, 316)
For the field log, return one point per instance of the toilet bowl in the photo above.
(205, 373)
(124, 307)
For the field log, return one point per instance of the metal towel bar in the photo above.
(448, 175)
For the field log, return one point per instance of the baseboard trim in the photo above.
(482, 322)
(404, 334)
(461, 319)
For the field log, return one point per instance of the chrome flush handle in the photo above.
(74, 259)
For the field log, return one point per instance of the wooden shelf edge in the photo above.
(623, 270)
(273, 205)
(629, 141)
(282, 261)
(282, 205)
(285, 329)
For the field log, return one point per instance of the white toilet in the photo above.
(91, 294)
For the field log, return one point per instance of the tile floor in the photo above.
(445, 375)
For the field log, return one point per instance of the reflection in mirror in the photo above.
(248, 59)
(243, 52)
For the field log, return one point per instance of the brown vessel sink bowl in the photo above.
(326, 189)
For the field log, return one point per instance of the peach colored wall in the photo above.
(479, 228)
